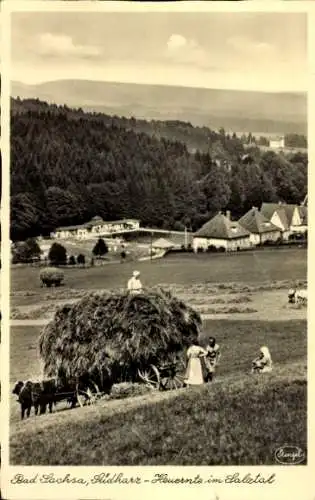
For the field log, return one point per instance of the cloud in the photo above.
(186, 51)
(63, 46)
(249, 46)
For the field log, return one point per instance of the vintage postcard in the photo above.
(156, 223)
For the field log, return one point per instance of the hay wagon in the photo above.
(164, 376)
(112, 338)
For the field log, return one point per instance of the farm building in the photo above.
(276, 214)
(221, 232)
(276, 143)
(95, 227)
(260, 228)
(290, 218)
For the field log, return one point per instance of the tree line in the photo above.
(29, 251)
(68, 166)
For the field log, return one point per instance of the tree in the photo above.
(100, 248)
(26, 251)
(81, 259)
(57, 254)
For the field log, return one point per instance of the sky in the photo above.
(241, 51)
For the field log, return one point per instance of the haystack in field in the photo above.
(50, 276)
(109, 337)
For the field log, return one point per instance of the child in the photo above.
(263, 363)
(212, 358)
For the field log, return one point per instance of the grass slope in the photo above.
(239, 340)
(237, 421)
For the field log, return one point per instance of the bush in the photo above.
(51, 276)
(72, 261)
(57, 254)
(212, 248)
(81, 259)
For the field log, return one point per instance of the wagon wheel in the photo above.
(150, 376)
(83, 396)
(174, 378)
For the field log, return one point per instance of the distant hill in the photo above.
(239, 111)
(68, 166)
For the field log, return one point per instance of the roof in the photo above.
(162, 243)
(277, 138)
(268, 209)
(96, 221)
(303, 214)
(255, 222)
(222, 228)
(70, 228)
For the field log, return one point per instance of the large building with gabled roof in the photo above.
(290, 218)
(222, 233)
(259, 227)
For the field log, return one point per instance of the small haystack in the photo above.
(108, 337)
(50, 276)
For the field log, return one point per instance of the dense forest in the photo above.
(67, 166)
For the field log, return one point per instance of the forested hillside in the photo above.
(67, 166)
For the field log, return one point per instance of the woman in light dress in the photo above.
(262, 364)
(194, 375)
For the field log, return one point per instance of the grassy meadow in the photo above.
(239, 419)
(180, 269)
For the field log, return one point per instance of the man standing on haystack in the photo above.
(134, 284)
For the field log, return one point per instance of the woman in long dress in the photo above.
(194, 375)
(262, 364)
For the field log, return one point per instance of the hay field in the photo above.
(179, 269)
(237, 420)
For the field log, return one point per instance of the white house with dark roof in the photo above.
(221, 232)
(260, 228)
(289, 217)
(96, 227)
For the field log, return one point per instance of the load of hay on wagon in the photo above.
(108, 338)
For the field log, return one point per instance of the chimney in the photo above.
(228, 214)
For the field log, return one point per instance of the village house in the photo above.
(221, 232)
(290, 218)
(276, 214)
(259, 227)
(95, 227)
(277, 143)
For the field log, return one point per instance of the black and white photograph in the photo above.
(158, 238)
